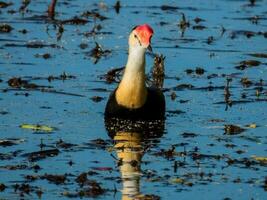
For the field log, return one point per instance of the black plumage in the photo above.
(154, 107)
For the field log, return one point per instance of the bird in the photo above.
(132, 99)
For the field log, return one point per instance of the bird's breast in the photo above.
(132, 93)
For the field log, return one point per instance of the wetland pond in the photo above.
(57, 70)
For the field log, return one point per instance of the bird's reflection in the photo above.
(131, 140)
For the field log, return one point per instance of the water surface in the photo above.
(195, 154)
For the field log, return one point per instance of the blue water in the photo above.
(79, 120)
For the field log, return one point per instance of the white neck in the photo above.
(136, 59)
(132, 92)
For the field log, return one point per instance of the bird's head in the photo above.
(141, 36)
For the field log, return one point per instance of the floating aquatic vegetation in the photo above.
(158, 71)
(181, 181)
(64, 145)
(10, 142)
(94, 15)
(5, 28)
(75, 21)
(189, 135)
(227, 94)
(113, 75)
(210, 40)
(247, 64)
(24, 5)
(199, 27)
(252, 125)
(2, 187)
(198, 20)
(262, 160)
(38, 127)
(246, 82)
(168, 7)
(4, 4)
(45, 55)
(96, 98)
(39, 155)
(97, 52)
(117, 7)
(56, 179)
(20, 83)
(259, 55)
(90, 188)
(183, 24)
(231, 129)
(197, 70)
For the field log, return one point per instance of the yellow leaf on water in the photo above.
(182, 181)
(37, 127)
(252, 125)
(178, 180)
(260, 159)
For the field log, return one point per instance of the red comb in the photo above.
(145, 27)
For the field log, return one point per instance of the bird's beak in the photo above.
(150, 48)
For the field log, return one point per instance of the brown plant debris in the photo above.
(227, 94)
(2, 187)
(39, 155)
(94, 15)
(5, 28)
(19, 83)
(56, 179)
(10, 142)
(117, 7)
(96, 98)
(64, 76)
(247, 64)
(197, 70)
(82, 179)
(265, 184)
(24, 5)
(158, 69)
(4, 4)
(97, 52)
(91, 188)
(14, 167)
(183, 24)
(189, 135)
(147, 197)
(199, 27)
(183, 87)
(259, 55)
(113, 75)
(246, 82)
(198, 19)
(231, 129)
(75, 21)
(64, 145)
(45, 55)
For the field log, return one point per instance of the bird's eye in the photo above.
(136, 37)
